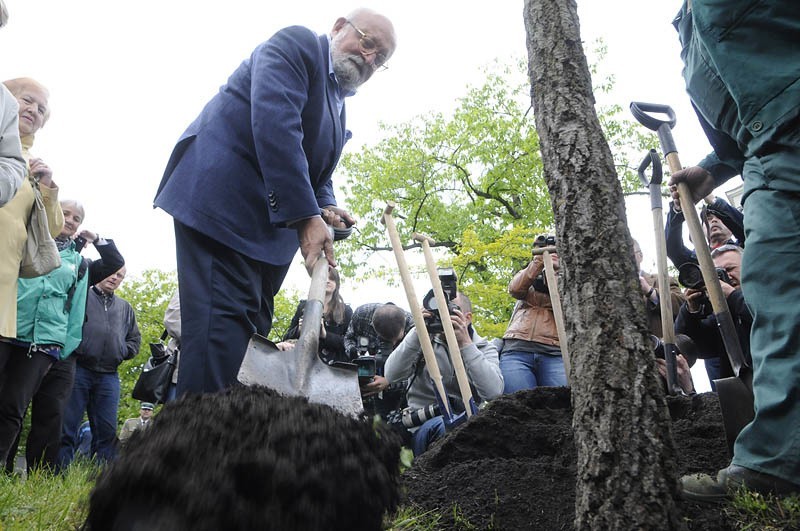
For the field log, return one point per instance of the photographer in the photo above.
(531, 353)
(374, 331)
(480, 362)
(696, 318)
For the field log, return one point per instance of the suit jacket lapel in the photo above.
(330, 94)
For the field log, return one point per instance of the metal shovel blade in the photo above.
(299, 371)
(296, 373)
(736, 403)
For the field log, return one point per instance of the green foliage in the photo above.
(285, 306)
(44, 501)
(472, 180)
(149, 295)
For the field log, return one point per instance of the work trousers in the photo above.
(226, 297)
(771, 286)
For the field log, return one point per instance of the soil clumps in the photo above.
(512, 467)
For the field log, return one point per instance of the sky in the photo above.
(126, 80)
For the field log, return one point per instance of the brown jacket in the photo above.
(532, 319)
(654, 310)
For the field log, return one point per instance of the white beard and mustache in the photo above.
(351, 70)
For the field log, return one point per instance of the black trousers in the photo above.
(22, 374)
(225, 298)
(47, 414)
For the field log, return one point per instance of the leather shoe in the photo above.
(703, 488)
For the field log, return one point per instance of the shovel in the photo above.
(447, 326)
(299, 371)
(664, 298)
(735, 393)
(422, 332)
(555, 301)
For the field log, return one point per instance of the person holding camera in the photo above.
(531, 355)
(407, 362)
(696, 319)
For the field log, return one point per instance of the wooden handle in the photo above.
(419, 322)
(555, 300)
(447, 324)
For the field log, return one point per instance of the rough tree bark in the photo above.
(626, 475)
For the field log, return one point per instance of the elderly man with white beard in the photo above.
(250, 181)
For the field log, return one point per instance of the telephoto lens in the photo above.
(417, 417)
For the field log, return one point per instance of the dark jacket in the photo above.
(702, 328)
(110, 334)
(332, 347)
(678, 253)
(262, 152)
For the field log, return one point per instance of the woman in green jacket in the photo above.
(50, 315)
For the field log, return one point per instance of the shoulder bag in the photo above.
(40, 254)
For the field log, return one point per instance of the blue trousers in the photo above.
(527, 370)
(225, 298)
(431, 430)
(97, 394)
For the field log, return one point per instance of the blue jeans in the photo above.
(431, 430)
(527, 370)
(96, 393)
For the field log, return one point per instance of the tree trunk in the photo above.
(626, 476)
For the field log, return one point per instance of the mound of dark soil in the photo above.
(513, 465)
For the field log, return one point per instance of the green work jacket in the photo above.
(742, 73)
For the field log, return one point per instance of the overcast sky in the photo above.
(127, 78)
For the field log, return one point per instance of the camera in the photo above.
(449, 281)
(690, 276)
(411, 417)
(544, 240)
(364, 361)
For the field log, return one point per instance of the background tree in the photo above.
(149, 294)
(473, 181)
(626, 470)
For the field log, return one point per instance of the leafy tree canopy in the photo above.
(473, 181)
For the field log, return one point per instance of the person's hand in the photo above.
(341, 217)
(556, 261)
(727, 289)
(461, 328)
(694, 299)
(286, 345)
(378, 384)
(43, 172)
(315, 238)
(88, 235)
(684, 372)
(700, 183)
(644, 285)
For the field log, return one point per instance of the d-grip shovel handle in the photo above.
(651, 159)
(662, 127)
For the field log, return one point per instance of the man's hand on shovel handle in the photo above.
(315, 238)
(700, 182)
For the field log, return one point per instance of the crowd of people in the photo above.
(275, 131)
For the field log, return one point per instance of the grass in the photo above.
(44, 501)
(755, 512)
(47, 502)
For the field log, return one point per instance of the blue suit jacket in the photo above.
(262, 152)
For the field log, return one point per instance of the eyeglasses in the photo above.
(368, 47)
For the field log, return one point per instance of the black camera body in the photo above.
(449, 281)
(690, 276)
(544, 240)
(365, 361)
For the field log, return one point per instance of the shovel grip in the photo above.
(639, 109)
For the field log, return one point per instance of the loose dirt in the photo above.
(512, 467)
